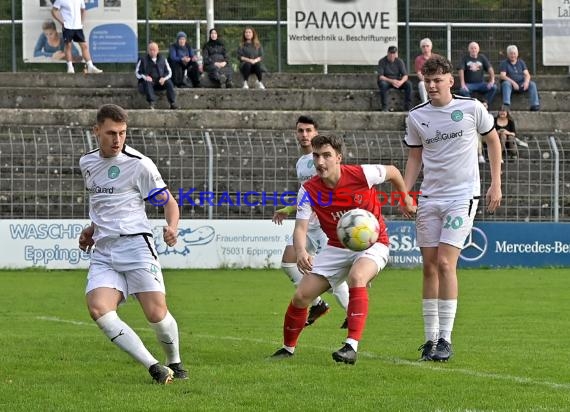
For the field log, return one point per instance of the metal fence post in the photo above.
(210, 172)
(556, 191)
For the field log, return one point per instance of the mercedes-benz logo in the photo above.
(475, 245)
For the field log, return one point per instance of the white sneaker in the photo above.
(245, 85)
(259, 85)
(520, 142)
(70, 70)
(481, 159)
(94, 70)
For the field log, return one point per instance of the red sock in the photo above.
(357, 311)
(293, 324)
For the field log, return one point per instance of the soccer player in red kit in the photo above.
(335, 190)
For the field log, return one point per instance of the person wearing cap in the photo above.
(392, 73)
(181, 58)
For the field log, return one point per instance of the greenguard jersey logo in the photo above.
(457, 115)
(153, 269)
(310, 164)
(113, 172)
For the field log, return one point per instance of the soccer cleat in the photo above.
(178, 370)
(344, 324)
(442, 351)
(281, 354)
(161, 374)
(428, 350)
(317, 311)
(345, 354)
(93, 70)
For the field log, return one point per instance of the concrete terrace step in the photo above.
(235, 99)
(344, 81)
(259, 119)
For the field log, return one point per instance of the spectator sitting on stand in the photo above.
(181, 58)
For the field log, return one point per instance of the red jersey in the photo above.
(351, 192)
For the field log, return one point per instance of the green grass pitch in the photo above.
(511, 340)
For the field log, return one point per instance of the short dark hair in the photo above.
(307, 120)
(113, 112)
(437, 64)
(336, 142)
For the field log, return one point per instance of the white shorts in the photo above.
(128, 263)
(444, 221)
(334, 263)
(316, 240)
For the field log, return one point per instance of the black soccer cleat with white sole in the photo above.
(345, 354)
(316, 311)
(442, 351)
(161, 374)
(428, 349)
(178, 371)
(281, 354)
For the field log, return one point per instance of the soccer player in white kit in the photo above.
(124, 261)
(306, 128)
(442, 134)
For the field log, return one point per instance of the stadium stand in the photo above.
(248, 143)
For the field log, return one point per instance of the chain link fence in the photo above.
(210, 172)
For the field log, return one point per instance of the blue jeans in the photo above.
(507, 90)
(480, 88)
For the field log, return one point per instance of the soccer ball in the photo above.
(358, 229)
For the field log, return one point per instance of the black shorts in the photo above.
(70, 35)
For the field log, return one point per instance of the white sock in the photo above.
(340, 292)
(293, 273)
(289, 348)
(447, 309)
(125, 338)
(353, 343)
(167, 334)
(70, 65)
(89, 63)
(431, 319)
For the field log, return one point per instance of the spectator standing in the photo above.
(154, 74)
(182, 58)
(472, 71)
(71, 14)
(392, 73)
(250, 56)
(516, 78)
(216, 61)
(426, 47)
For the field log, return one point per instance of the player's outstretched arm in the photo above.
(304, 260)
(172, 216)
(494, 193)
(407, 203)
(281, 214)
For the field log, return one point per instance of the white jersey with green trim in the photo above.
(118, 187)
(305, 170)
(448, 136)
